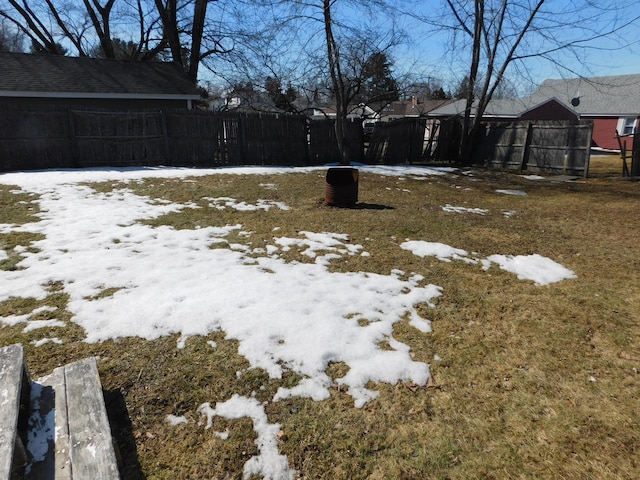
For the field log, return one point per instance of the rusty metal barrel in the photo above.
(342, 186)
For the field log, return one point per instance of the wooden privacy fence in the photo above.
(635, 157)
(543, 146)
(323, 147)
(68, 138)
(71, 138)
(34, 141)
(415, 140)
(399, 141)
(101, 138)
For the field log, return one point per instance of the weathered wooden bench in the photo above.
(14, 411)
(79, 444)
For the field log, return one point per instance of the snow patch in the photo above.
(175, 420)
(44, 341)
(477, 211)
(512, 192)
(541, 270)
(37, 324)
(269, 463)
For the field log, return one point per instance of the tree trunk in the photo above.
(469, 129)
(168, 16)
(103, 30)
(337, 81)
(341, 135)
(199, 13)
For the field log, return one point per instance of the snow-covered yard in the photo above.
(290, 316)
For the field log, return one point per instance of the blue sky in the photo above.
(617, 54)
(429, 55)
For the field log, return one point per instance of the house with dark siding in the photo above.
(36, 81)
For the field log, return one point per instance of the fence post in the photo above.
(73, 139)
(635, 159)
(570, 154)
(588, 151)
(524, 160)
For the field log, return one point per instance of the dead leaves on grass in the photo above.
(430, 384)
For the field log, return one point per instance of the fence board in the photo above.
(33, 141)
(196, 139)
(635, 156)
(322, 142)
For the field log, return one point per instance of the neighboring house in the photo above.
(247, 101)
(611, 103)
(383, 111)
(42, 80)
(412, 108)
(510, 110)
(361, 112)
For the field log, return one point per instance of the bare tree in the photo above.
(500, 34)
(31, 23)
(187, 53)
(349, 64)
(324, 48)
(11, 40)
(146, 28)
(101, 24)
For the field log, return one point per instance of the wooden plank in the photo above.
(56, 464)
(14, 382)
(91, 448)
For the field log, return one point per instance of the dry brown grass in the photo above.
(607, 165)
(533, 381)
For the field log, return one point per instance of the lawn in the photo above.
(212, 298)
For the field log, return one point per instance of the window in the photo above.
(627, 125)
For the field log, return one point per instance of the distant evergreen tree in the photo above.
(123, 50)
(378, 83)
(463, 88)
(439, 94)
(282, 100)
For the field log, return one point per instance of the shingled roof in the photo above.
(24, 75)
(615, 96)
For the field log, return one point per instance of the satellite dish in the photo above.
(575, 101)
